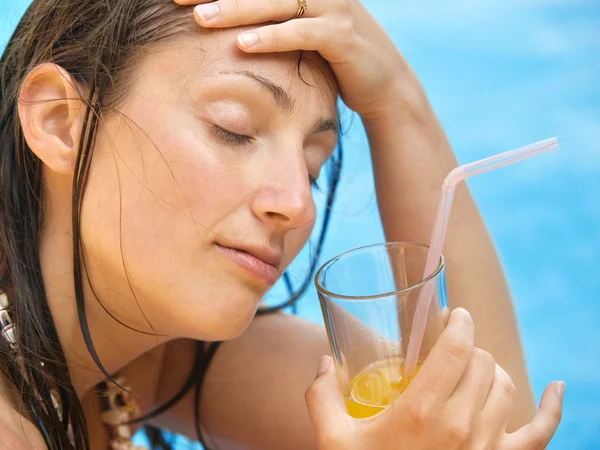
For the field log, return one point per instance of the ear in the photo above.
(51, 112)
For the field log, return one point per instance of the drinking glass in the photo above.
(368, 297)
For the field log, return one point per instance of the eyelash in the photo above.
(232, 138)
(240, 139)
(315, 183)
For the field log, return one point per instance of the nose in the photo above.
(284, 198)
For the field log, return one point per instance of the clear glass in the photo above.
(368, 297)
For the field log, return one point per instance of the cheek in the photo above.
(155, 195)
(294, 241)
(171, 175)
(151, 203)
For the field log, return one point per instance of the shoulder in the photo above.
(16, 431)
(253, 393)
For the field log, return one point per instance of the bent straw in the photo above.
(439, 232)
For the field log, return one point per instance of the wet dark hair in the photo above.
(99, 43)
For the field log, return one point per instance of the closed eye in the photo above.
(230, 137)
(240, 139)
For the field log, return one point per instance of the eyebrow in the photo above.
(285, 102)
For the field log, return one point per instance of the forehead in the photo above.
(306, 76)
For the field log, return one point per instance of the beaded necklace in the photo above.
(118, 406)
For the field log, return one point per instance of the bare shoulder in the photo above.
(16, 432)
(253, 395)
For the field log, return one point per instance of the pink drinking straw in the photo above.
(439, 233)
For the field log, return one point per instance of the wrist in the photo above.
(405, 103)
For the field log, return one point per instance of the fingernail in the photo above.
(248, 39)
(560, 390)
(208, 11)
(324, 364)
(463, 312)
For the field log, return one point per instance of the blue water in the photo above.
(501, 74)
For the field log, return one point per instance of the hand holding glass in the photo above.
(368, 297)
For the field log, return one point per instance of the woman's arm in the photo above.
(411, 157)
(253, 394)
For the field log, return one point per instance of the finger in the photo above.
(229, 13)
(539, 432)
(447, 361)
(191, 2)
(472, 391)
(498, 406)
(332, 39)
(324, 400)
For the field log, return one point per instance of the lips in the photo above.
(260, 262)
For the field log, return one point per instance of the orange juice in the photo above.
(376, 387)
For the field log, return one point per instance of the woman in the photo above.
(156, 181)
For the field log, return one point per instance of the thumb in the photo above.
(539, 432)
(325, 402)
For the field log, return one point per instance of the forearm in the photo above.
(411, 156)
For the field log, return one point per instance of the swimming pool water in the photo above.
(501, 74)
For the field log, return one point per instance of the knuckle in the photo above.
(484, 358)
(308, 394)
(488, 444)
(306, 34)
(506, 383)
(275, 35)
(458, 347)
(235, 5)
(343, 7)
(311, 395)
(459, 431)
(417, 414)
(345, 27)
(538, 443)
(510, 391)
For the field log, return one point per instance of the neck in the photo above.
(115, 344)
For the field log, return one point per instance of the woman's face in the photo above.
(199, 193)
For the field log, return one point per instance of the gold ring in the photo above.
(302, 7)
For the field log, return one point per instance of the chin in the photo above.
(214, 306)
(228, 328)
(219, 320)
(227, 334)
(232, 325)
